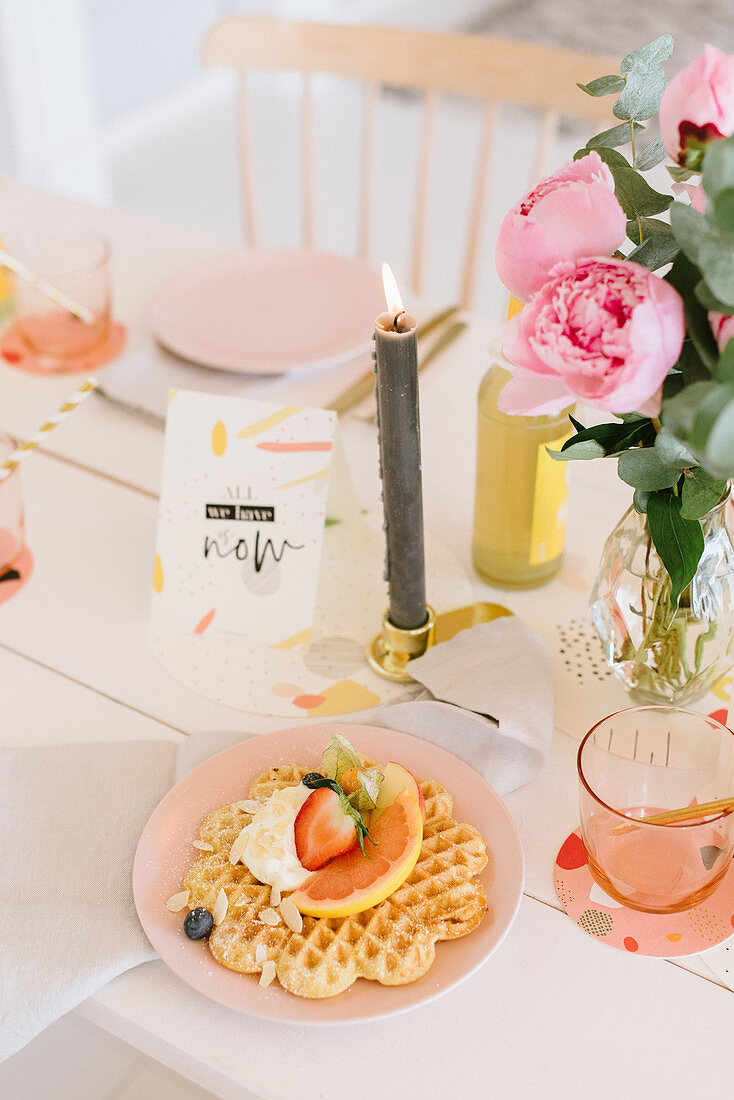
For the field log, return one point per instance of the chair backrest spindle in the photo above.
(308, 163)
(371, 101)
(247, 175)
(479, 203)
(430, 108)
(544, 147)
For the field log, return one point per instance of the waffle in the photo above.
(392, 943)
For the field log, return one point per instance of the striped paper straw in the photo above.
(53, 293)
(61, 414)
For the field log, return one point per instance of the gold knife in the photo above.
(364, 386)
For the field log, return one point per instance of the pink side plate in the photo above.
(165, 852)
(269, 311)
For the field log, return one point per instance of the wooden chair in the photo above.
(433, 64)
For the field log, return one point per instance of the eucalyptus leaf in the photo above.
(655, 252)
(617, 135)
(702, 241)
(678, 541)
(654, 53)
(718, 167)
(708, 300)
(722, 214)
(685, 277)
(636, 197)
(672, 452)
(639, 500)
(700, 493)
(679, 173)
(651, 155)
(651, 227)
(719, 452)
(717, 267)
(679, 412)
(643, 468)
(709, 412)
(725, 367)
(690, 229)
(642, 93)
(603, 85)
(611, 157)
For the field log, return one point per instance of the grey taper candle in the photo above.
(400, 465)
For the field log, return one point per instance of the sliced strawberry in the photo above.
(323, 829)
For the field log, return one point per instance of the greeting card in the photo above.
(247, 492)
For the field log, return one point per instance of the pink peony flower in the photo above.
(570, 214)
(698, 107)
(722, 325)
(602, 331)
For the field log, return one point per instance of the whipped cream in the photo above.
(267, 845)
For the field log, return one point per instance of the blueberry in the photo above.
(313, 779)
(198, 923)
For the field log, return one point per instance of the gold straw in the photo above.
(53, 293)
(33, 441)
(682, 813)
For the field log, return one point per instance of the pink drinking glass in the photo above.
(79, 265)
(640, 762)
(12, 532)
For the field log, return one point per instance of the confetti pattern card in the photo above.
(242, 515)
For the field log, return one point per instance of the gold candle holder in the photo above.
(390, 653)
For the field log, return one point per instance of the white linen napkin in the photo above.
(71, 815)
(70, 819)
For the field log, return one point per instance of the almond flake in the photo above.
(268, 973)
(290, 915)
(203, 846)
(270, 916)
(219, 911)
(238, 847)
(248, 806)
(179, 901)
(275, 895)
(261, 953)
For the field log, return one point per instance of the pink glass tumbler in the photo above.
(641, 762)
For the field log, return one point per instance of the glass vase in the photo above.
(660, 656)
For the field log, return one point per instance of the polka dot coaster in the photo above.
(16, 576)
(666, 935)
(16, 353)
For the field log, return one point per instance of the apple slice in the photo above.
(397, 779)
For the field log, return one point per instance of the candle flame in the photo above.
(392, 294)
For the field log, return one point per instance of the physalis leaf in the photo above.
(338, 757)
(365, 797)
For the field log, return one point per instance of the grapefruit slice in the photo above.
(351, 882)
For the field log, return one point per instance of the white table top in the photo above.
(554, 1012)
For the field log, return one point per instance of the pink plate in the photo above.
(165, 852)
(269, 311)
